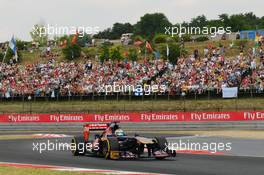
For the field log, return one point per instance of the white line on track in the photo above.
(75, 169)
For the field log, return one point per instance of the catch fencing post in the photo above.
(23, 99)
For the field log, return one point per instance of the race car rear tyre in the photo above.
(78, 146)
(162, 142)
(111, 144)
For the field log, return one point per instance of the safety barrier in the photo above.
(136, 121)
(136, 117)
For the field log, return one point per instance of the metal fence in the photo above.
(118, 103)
(193, 95)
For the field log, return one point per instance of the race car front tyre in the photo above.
(105, 148)
(78, 146)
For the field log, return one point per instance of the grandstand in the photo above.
(206, 74)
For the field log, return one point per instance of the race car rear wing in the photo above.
(87, 128)
(96, 126)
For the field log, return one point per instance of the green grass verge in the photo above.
(36, 171)
(132, 106)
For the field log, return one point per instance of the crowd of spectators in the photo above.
(199, 74)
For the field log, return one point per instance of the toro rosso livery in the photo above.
(113, 143)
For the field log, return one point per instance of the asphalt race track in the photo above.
(21, 151)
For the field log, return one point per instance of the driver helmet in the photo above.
(119, 132)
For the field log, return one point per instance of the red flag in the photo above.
(75, 37)
(64, 43)
(148, 46)
(126, 53)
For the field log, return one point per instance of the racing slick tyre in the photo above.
(78, 146)
(108, 145)
(162, 143)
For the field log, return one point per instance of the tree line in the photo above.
(151, 24)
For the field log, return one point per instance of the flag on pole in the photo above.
(64, 43)
(13, 47)
(148, 46)
(168, 51)
(75, 37)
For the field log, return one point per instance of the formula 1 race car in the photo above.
(113, 143)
